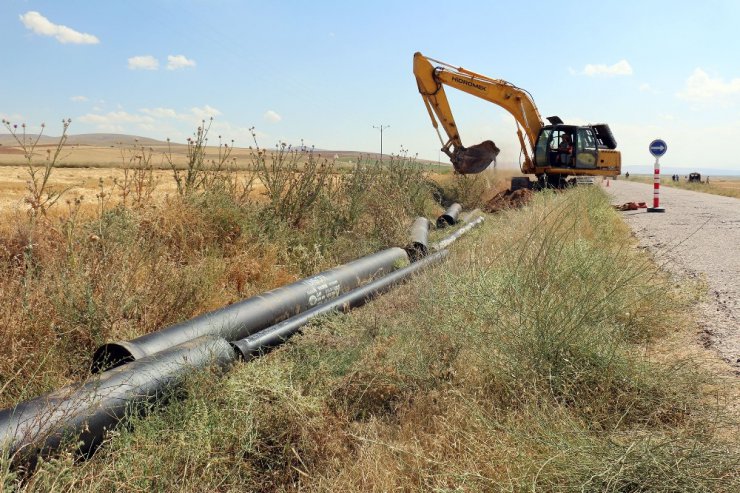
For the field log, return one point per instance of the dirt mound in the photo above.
(509, 200)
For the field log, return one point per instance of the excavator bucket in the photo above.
(474, 159)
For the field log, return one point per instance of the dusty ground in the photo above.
(697, 237)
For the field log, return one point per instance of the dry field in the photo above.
(728, 186)
(83, 169)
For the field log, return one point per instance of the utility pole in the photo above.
(381, 128)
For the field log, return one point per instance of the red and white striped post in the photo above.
(657, 148)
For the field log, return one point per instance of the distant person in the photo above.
(627, 175)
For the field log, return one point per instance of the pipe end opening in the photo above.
(110, 356)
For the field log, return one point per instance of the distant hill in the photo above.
(98, 140)
(114, 140)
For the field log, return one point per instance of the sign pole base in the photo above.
(656, 209)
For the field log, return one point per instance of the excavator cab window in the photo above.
(587, 152)
(554, 147)
(542, 150)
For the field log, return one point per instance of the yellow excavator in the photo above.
(550, 152)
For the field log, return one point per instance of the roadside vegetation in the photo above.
(721, 185)
(537, 358)
(78, 271)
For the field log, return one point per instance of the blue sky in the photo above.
(327, 71)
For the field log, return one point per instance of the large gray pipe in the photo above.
(253, 314)
(419, 244)
(261, 342)
(84, 412)
(449, 217)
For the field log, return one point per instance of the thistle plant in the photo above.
(200, 173)
(138, 179)
(294, 179)
(40, 196)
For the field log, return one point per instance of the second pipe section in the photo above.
(253, 314)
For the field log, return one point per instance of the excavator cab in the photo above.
(566, 146)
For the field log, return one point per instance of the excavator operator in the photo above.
(565, 150)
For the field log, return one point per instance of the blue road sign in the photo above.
(658, 147)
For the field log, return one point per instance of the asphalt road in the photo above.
(697, 235)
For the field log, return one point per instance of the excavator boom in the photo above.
(431, 81)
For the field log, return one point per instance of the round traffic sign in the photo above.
(658, 147)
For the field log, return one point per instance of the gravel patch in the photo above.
(697, 236)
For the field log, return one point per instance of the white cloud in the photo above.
(44, 27)
(79, 99)
(645, 87)
(163, 122)
(205, 112)
(272, 116)
(160, 112)
(114, 117)
(175, 62)
(622, 67)
(194, 116)
(701, 88)
(116, 121)
(144, 62)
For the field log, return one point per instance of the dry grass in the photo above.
(533, 360)
(97, 268)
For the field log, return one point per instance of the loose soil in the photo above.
(508, 200)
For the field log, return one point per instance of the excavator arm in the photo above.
(431, 81)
